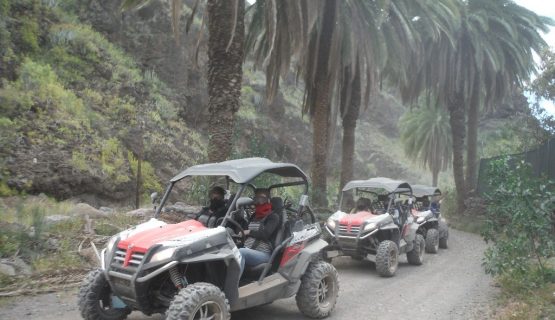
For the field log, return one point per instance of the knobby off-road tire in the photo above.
(387, 258)
(199, 301)
(443, 235)
(432, 241)
(318, 292)
(95, 301)
(416, 255)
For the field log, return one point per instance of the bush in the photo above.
(519, 224)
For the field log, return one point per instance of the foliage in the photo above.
(426, 135)
(519, 223)
(65, 96)
(150, 182)
(544, 85)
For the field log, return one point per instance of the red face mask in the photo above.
(262, 210)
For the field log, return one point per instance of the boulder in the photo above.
(107, 210)
(14, 267)
(83, 209)
(141, 213)
(7, 269)
(55, 219)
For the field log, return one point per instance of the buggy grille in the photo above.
(120, 256)
(344, 231)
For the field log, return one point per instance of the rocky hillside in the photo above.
(77, 112)
(86, 91)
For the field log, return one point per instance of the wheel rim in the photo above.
(209, 310)
(393, 261)
(325, 290)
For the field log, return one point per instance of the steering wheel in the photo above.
(238, 238)
(307, 211)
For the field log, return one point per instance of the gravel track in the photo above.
(449, 285)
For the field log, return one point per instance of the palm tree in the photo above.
(341, 48)
(516, 37)
(226, 35)
(426, 135)
(477, 63)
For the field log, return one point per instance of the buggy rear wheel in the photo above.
(432, 240)
(443, 235)
(95, 299)
(416, 255)
(317, 295)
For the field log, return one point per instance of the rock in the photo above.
(55, 219)
(14, 266)
(181, 208)
(52, 244)
(141, 213)
(106, 210)
(7, 269)
(83, 209)
(106, 229)
(179, 212)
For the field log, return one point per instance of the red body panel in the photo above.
(291, 252)
(142, 241)
(355, 219)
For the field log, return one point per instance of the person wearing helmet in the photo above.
(216, 209)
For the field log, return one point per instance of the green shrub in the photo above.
(519, 224)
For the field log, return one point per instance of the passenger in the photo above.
(363, 204)
(263, 224)
(215, 210)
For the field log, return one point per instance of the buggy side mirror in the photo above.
(154, 197)
(243, 202)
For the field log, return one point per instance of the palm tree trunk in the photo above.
(349, 125)
(456, 119)
(472, 143)
(322, 112)
(435, 174)
(139, 182)
(225, 73)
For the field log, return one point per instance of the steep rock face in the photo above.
(77, 114)
(148, 36)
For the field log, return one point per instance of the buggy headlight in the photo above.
(370, 226)
(163, 254)
(331, 223)
(111, 243)
(420, 219)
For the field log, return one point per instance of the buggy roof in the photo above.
(420, 190)
(387, 184)
(242, 170)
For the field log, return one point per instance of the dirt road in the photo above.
(450, 285)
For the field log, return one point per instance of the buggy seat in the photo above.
(281, 233)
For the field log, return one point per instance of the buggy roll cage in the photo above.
(243, 172)
(377, 186)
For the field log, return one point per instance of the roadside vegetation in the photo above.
(45, 243)
(521, 230)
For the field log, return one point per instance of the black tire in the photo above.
(318, 292)
(432, 241)
(387, 258)
(416, 255)
(443, 235)
(199, 299)
(95, 301)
